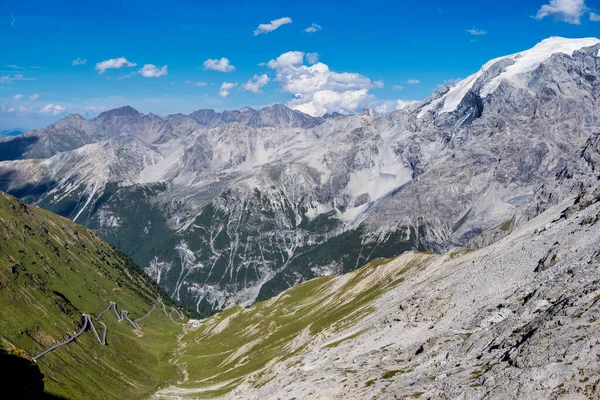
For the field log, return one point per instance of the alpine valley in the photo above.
(233, 207)
(447, 250)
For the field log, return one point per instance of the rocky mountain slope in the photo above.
(52, 273)
(516, 319)
(234, 207)
(75, 131)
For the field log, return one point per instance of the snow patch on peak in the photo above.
(458, 92)
(529, 60)
(454, 96)
(522, 63)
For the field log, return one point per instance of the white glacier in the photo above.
(522, 63)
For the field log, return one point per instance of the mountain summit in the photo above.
(125, 111)
(518, 70)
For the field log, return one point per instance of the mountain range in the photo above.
(449, 249)
(234, 207)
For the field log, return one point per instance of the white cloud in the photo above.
(378, 84)
(318, 90)
(312, 58)
(569, 11)
(324, 101)
(20, 110)
(80, 61)
(152, 71)
(594, 17)
(53, 109)
(18, 96)
(15, 77)
(94, 109)
(276, 23)
(34, 97)
(397, 87)
(287, 60)
(413, 81)
(476, 32)
(113, 63)
(221, 65)
(21, 77)
(226, 88)
(24, 110)
(13, 66)
(386, 106)
(91, 111)
(199, 84)
(313, 28)
(255, 84)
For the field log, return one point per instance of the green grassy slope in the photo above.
(243, 344)
(53, 270)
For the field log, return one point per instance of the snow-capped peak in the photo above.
(529, 60)
(519, 64)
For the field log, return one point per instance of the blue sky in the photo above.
(370, 53)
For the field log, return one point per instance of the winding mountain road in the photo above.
(87, 323)
(85, 319)
(148, 313)
(176, 311)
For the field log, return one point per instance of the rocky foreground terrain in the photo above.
(517, 319)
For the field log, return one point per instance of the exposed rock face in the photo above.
(67, 134)
(236, 206)
(484, 324)
(516, 319)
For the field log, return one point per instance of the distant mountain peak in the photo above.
(12, 132)
(334, 114)
(73, 117)
(71, 120)
(277, 106)
(368, 112)
(119, 112)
